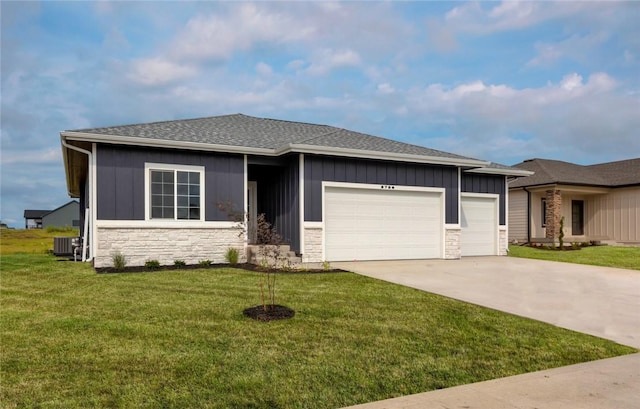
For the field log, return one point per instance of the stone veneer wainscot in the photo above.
(166, 245)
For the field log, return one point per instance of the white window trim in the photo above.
(148, 167)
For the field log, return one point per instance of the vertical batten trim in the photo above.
(245, 201)
(93, 205)
(301, 200)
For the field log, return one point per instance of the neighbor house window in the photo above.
(175, 192)
(544, 212)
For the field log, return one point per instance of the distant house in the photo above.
(33, 218)
(598, 202)
(66, 215)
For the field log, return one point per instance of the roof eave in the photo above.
(366, 154)
(298, 148)
(498, 171)
(163, 143)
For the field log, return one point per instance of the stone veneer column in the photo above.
(452, 250)
(554, 213)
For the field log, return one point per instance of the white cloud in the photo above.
(575, 47)
(158, 71)
(327, 60)
(489, 120)
(218, 36)
(385, 88)
(477, 17)
(264, 69)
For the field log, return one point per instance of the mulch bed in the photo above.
(273, 312)
(243, 266)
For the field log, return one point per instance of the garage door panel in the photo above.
(370, 224)
(478, 225)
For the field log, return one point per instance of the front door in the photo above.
(252, 213)
(577, 217)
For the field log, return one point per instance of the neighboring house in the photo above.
(67, 215)
(33, 218)
(598, 202)
(151, 191)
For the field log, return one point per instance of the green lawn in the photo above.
(71, 338)
(31, 241)
(607, 256)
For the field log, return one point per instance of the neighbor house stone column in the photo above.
(554, 213)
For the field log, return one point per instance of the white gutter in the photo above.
(498, 171)
(87, 194)
(399, 157)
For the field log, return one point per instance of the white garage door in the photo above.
(479, 226)
(377, 224)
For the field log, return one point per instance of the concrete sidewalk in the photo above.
(600, 301)
(606, 384)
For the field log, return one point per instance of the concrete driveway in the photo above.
(600, 301)
(604, 302)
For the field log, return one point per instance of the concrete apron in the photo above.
(600, 301)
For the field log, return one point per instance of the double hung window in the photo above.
(174, 192)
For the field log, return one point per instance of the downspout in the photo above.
(87, 213)
(528, 214)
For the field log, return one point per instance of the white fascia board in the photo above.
(163, 143)
(505, 172)
(398, 157)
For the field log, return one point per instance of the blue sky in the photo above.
(497, 81)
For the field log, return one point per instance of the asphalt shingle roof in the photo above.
(610, 174)
(35, 214)
(240, 130)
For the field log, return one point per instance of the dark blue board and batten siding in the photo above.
(320, 168)
(479, 183)
(278, 196)
(120, 179)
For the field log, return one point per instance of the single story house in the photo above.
(63, 216)
(33, 218)
(66, 215)
(152, 191)
(598, 202)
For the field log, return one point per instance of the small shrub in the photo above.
(179, 263)
(231, 255)
(326, 266)
(204, 263)
(152, 264)
(575, 245)
(119, 261)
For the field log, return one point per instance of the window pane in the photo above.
(156, 177)
(194, 189)
(182, 213)
(194, 213)
(183, 177)
(183, 201)
(156, 188)
(156, 200)
(194, 201)
(156, 212)
(194, 178)
(183, 189)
